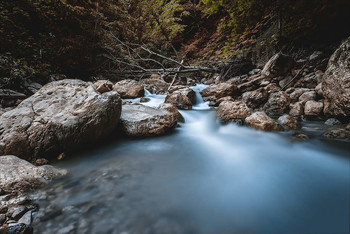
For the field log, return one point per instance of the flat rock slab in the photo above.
(140, 121)
(61, 116)
(18, 175)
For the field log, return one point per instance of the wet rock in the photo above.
(338, 134)
(260, 120)
(172, 109)
(129, 89)
(214, 92)
(19, 212)
(26, 218)
(313, 108)
(229, 111)
(144, 99)
(301, 137)
(278, 65)
(277, 104)
(61, 116)
(141, 121)
(288, 122)
(182, 98)
(316, 56)
(103, 86)
(18, 175)
(336, 82)
(347, 127)
(308, 81)
(19, 228)
(155, 85)
(307, 96)
(255, 98)
(296, 109)
(332, 122)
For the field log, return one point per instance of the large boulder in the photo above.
(232, 111)
(260, 120)
(214, 92)
(182, 98)
(313, 108)
(278, 65)
(141, 121)
(129, 89)
(155, 85)
(18, 175)
(277, 104)
(61, 116)
(336, 82)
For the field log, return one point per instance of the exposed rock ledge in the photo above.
(18, 176)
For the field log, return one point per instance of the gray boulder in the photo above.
(61, 116)
(18, 175)
(141, 121)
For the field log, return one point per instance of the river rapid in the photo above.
(203, 177)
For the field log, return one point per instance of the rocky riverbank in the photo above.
(67, 115)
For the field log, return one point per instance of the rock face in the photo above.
(278, 65)
(62, 115)
(229, 111)
(260, 120)
(182, 98)
(336, 82)
(214, 92)
(288, 122)
(313, 108)
(129, 89)
(103, 86)
(140, 121)
(18, 175)
(277, 104)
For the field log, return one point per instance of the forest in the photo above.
(174, 116)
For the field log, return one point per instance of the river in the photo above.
(203, 177)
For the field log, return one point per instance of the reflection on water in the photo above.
(204, 178)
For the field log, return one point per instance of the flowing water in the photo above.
(203, 178)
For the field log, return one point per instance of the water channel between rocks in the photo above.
(203, 177)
